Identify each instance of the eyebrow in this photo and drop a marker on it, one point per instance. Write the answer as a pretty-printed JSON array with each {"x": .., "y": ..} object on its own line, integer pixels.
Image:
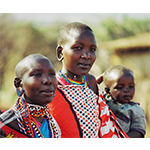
[
  {"x": 40, "y": 69},
  {"x": 123, "y": 84},
  {"x": 77, "y": 42},
  {"x": 132, "y": 83},
  {"x": 34, "y": 70}
]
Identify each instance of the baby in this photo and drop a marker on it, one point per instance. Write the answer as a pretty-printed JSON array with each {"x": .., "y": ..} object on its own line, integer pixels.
[
  {"x": 120, "y": 88},
  {"x": 36, "y": 84}
]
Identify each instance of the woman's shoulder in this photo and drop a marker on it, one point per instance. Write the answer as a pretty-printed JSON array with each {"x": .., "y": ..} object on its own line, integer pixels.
[
  {"x": 90, "y": 77},
  {"x": 9, "y": 118},
  {"x": 7, "y": 115},
  {"x": 92, "y": 83}
]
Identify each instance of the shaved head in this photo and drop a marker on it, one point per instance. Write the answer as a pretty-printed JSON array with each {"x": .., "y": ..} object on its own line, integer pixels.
[
  {"x": 23, "y": 66},
  {"x": 66, "y": 30},
  {"x": 112, "y": 73}
]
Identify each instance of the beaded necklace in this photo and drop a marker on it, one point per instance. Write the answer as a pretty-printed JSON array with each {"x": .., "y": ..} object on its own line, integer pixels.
[
  {"x": 71, "y": 81},
  {"x": 25, "y": 111}
]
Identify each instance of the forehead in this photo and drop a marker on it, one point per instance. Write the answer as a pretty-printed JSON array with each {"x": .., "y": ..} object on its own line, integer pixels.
[
  {"x": 118, "y": 75},
  {"x": 39, "y": 63},
  {"x": 81, "y": 35}
]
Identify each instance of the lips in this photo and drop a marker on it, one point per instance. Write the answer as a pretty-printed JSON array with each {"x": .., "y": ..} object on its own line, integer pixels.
[
  {"x": 47, "y": 92},
  {"x": 84, "y": 65},
  {"x": 127, "y": 97}
]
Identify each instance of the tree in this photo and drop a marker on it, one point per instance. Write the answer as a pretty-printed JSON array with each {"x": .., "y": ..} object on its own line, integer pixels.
[{"x": 109, "y": 29}]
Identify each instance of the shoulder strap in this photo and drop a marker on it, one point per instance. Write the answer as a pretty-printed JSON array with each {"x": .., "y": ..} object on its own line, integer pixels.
[{"x": 6, "y": 118}]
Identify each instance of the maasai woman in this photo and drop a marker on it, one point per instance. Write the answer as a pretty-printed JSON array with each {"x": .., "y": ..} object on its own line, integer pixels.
[
  {"x": 79, "y": 107},
  {"x": 36, "y": 84}
]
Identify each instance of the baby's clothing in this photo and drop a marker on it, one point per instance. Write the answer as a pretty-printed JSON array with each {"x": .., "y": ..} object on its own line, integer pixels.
[{"x": 130, "y": 115}]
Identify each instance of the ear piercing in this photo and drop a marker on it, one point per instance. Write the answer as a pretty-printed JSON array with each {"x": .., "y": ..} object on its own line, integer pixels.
[{"x": 19, "y": 91}]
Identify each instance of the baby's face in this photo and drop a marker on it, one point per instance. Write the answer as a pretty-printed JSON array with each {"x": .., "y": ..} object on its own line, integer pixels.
[
  {"x": 79, "y": 52},
  {"x": 39, "y": 82},
  {"x": 122, "y": 86}
]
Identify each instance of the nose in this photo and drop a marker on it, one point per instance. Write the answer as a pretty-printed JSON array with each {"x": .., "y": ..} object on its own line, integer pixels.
[
  {"x": 85, "y": 55},
  {"x": 46, "y": 80},
  {"x": 126, "y": 89}
]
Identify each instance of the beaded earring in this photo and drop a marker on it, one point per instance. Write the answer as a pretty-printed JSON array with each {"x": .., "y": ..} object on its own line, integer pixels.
[{"x": 19, "y": 91}]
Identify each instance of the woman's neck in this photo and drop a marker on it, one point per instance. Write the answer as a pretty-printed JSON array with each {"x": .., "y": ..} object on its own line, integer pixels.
[
  {"x": 72, "y": 76},
  {"x": 30, "y": 102}
]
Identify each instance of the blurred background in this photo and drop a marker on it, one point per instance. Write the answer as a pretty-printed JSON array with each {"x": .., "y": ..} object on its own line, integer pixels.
[{"x": 122, "y": 38}]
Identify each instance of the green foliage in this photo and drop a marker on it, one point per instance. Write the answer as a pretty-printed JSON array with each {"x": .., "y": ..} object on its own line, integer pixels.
[{"x": 109, "y": 29}]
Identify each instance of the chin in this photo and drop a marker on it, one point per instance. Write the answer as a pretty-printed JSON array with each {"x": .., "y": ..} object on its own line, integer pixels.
[
  {"x": 45, "y": 102},
  {"x": 48, "y": 101},
  {"x": 84, "y": 73}
]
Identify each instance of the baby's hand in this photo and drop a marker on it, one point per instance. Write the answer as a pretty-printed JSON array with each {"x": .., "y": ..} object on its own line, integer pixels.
[{"x": 2, "y": 133}]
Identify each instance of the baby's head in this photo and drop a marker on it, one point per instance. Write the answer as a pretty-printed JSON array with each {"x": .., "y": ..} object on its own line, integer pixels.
[
  {"x": 119, "y": 82},
  {"x": 76, "y": 48},
  {"x": 35, "y": 74}
]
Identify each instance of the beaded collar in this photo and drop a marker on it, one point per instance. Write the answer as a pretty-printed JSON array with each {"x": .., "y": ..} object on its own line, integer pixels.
[
  {"x": 26, "y": 111},
  {"x": 62, "y": 78}
]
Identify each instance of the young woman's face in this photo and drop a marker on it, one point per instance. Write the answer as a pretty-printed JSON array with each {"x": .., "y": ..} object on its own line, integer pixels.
[
  {"x": 39, "y": 82},
  {"x": 122, "y": 87},
  {"x": 79, "y": 52}
]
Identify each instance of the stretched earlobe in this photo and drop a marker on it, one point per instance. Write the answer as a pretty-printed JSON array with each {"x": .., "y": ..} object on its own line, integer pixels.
[
  {"x": 59, "y": 53},
  {"x": 17, "y": 82},
  {"x": 18, "y": 85}
]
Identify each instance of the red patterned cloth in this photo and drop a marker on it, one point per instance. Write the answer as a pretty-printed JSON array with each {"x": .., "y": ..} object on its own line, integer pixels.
[
  {"x": 79, "y": 112},
  {"x": 11, "y": 133}
]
